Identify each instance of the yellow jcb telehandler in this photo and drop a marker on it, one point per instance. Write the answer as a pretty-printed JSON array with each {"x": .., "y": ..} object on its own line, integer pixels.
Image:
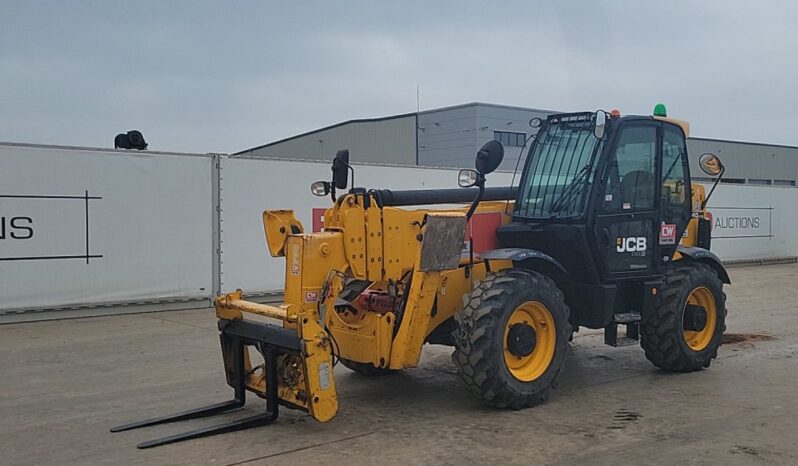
[{"x": 604, "y": 229}]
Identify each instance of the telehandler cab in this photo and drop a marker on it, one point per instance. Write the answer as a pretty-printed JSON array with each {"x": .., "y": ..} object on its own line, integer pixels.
[{"x": 604, "y": 229}]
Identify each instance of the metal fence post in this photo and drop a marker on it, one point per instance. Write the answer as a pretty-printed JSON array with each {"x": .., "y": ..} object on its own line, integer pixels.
[{"x": 216, "y": 246}]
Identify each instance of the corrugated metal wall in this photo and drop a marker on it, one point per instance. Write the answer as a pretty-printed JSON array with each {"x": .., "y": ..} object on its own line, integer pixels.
[
  {"x": 450, "y": 137},
  {"x": 390, "y": 140},
  {"x": 751, "y": 162}
]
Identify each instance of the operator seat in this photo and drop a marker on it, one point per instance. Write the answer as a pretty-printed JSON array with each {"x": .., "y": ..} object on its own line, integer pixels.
[{"x": 637, "y": 189}]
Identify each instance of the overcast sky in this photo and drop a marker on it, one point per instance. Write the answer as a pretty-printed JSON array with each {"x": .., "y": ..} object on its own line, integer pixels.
[{"x": 202, "y": 76}]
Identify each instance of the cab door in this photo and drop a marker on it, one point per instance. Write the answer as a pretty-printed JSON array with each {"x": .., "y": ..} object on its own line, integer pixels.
[
  {"x": 675, "y": 192},
  {"x": 626, "y": 214}
]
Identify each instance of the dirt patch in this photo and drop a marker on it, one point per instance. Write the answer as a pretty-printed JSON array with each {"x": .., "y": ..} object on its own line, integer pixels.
[
  {"x": 623, "y": 418},
  {"x": 738, "y": 449},
  {"x": 733, "y": 338}
]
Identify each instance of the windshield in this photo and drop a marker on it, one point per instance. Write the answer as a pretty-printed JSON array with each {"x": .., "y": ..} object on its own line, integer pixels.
[{"x": 559, "y": 168}]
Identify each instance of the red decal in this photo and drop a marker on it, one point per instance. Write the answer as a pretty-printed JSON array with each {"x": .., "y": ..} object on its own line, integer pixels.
[
  {"x": 667, "y": 233},
  {"x": 318, "y": 219},
  {"x": 482, "y": 227}
]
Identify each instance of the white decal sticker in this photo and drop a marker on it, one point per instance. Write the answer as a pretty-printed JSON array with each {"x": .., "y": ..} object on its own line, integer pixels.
[
  {"x": 324, "y": 376},
  {"x": 631, "y": 244},
  {"x": 295, "y": 252}
]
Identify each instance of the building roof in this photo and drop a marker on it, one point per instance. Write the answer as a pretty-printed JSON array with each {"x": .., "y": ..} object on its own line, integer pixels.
[
  {"x": 734, "y": 141},
  {"x": 465, "y": 105},
  {"x": 307, "y": 133},
  {"x": 392, "y": 117}
]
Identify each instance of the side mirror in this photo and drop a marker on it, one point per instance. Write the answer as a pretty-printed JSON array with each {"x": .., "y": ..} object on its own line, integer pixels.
[
  {"x": 601, "y": 124},
  {"x": 710, "y": 164},
  {"x": 467, "y": 178},
  {"x": 321, "y": 188},
  {"x": 340, "y": 169},
  {"x": 535, "y": 122},
  {"x": 489, "y": 157}
]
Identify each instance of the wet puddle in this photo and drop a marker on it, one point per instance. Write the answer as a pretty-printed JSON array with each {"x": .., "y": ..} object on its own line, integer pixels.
[{"x": 735, "y": 338}]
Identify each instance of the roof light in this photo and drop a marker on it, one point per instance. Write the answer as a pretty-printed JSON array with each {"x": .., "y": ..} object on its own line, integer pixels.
[
  {"x": 615, "y": 113},
  {"x": 660, "y": 111}
]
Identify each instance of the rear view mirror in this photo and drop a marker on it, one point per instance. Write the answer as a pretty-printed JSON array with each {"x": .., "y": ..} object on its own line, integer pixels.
[
  {"x": 601, "y": 124},
  {"x": 710, "y": 164},
  {"x": 340, "y": 169},
  {"x": 467, "y": 178},
  {"x": 489, "y": 157},
  {"x": 320, "y": 188}
]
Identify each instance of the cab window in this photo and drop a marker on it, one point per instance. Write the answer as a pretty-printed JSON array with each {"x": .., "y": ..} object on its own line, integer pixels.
[
  {"x": 630, "y": 182},
  {"x": 674, "y": 185}
]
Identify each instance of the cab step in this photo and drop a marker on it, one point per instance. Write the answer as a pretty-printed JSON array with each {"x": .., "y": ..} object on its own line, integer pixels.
[{"x": 632, "y": 322}]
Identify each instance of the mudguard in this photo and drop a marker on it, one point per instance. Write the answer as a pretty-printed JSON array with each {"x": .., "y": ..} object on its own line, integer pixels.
[
  {"x": 708, "y": 257},
  {"x": 523, "y": 255}
]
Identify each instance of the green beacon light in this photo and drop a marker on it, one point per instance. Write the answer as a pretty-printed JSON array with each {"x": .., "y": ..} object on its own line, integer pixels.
[{"x": 659, "y": 110}]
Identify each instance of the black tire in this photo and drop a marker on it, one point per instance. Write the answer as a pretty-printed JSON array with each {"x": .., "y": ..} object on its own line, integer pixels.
[
  {"x": 479, "y": 338},
  {"x": 662, "y": 328},
  {"x": 365, "y": 368}
]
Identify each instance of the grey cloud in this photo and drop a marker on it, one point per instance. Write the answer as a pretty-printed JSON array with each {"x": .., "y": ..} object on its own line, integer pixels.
[{"x": 224, "y": 76}]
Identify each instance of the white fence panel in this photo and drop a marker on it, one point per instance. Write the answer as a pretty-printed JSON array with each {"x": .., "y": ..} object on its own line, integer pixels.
[
  {"x": 754, "y": 222},
  {"x": 252, "y": 185},
  {"x": 89, "y": 227}
]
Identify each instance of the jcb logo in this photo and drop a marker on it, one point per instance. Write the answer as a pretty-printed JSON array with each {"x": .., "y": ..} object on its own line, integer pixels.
[{"x": 631, "y": 244}]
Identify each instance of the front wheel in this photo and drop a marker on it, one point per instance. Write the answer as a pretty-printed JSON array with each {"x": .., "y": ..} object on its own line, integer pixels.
[
  {"x": 684, "y": 329},
  {"x": 511, "y": 340}
]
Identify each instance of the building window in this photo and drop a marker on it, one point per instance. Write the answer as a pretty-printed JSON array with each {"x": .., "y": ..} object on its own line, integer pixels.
[
  {"x": 703, "y": 179},
  {"x": 784, "y": 182},
  {"x": 510, "y": 139},
  {"x": 759, "y": 181},
  {"x": 733, "y": 180}
]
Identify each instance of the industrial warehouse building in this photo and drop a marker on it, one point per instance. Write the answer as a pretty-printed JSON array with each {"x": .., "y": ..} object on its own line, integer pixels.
[{"x": 450, "y": 136}]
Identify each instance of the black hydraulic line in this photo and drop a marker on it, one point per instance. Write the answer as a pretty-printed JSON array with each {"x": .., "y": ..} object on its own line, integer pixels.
[{"x": 388, "y": 198}]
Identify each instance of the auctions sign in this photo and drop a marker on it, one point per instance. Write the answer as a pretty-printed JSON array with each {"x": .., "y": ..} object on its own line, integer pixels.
[
  {"x": 45, "y": 227},
  {"x": 742, "y": 222}
]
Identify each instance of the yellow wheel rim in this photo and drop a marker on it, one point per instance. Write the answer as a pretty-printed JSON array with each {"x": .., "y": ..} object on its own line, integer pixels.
[
  {"x": 698, "y": 340},
  {"x": 536, "y": 315}
]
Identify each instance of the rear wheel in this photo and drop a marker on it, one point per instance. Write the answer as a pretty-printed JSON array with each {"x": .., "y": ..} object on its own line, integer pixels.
[
  {"x": 511, "y": 340},
  {"x": 683, "y": 331}
]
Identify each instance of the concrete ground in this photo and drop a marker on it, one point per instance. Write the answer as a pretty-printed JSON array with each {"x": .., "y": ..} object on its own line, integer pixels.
[{"x": 64, "y": 383}]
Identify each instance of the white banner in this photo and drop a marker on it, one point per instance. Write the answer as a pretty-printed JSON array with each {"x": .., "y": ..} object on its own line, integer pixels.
[{"x": 84, "y": 226}]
